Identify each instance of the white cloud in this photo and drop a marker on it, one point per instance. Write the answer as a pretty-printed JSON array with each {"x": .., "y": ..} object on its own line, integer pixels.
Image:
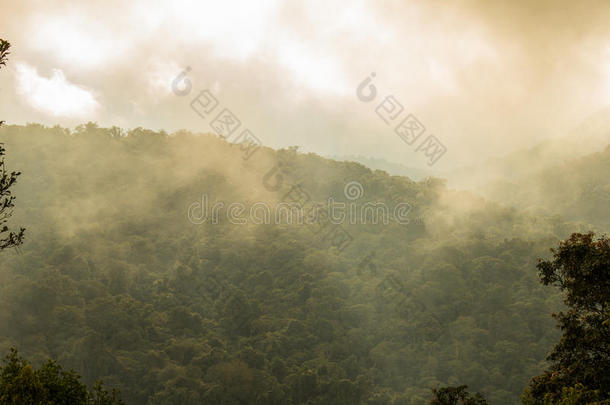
[
  {"x": 55, "y": 95},
  {"x": 77, "y": 39},
  {"x": 234, "y": 29},
  {"x": 159, "y": 77},
  {"x": 605, "y": 73},
  {"x": 321, "y": 73}
]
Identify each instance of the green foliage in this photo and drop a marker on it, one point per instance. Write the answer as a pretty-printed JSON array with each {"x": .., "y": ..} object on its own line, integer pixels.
[
  {"x": 456, "y": 396},
  {"x": 580, "y": 362},
  {"x": 20, "y": 384}
]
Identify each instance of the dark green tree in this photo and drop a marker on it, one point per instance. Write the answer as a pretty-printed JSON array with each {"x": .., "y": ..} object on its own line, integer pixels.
[
  {"x": 7, "y": 179},
  {"x": 456, "y": 396},
  {"x": 20, "y": 384},
  {"x": 581, "y": 360}
]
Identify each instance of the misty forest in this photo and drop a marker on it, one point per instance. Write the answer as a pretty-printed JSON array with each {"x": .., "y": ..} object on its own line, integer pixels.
[{"x": 128, "y": 274}]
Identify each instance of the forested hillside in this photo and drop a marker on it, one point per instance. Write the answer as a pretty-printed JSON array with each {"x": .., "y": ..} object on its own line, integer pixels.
[
  {"x": 577, "y": 189},
  {"x": 118, "y": 281},
  {"x": 589, "y": 137}
]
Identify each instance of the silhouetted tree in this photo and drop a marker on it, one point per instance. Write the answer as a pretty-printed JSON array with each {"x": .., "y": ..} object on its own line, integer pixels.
[
  {"x": 7, "y": 179},
  {"x": 4, "y": 47},
  {"x": 581, "y": 360}
]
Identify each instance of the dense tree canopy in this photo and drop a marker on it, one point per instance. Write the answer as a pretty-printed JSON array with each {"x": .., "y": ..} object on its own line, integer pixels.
[{"x": 116, "y": 282}]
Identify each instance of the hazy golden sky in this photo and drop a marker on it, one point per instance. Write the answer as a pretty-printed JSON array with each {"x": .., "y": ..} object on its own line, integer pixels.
[{"x": 484, "y": 77}]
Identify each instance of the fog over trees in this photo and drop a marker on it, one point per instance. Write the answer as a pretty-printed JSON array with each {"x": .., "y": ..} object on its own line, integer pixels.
[{"x": 304, "y": 203}]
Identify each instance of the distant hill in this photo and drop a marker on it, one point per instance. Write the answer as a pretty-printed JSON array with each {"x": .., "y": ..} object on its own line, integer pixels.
[
  {"x": 395, "y": 169},
  {"x": 577, "y": 189},
  {"x": 589, "y": 137}
]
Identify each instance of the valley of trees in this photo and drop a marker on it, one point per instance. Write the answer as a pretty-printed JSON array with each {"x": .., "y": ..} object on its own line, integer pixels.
[{"x": 116, "y": 283}]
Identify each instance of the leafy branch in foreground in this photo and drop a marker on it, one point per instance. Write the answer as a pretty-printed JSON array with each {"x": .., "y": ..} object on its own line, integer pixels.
[
  {"x": 7, "y": 179},
  {"x": 4, "y": 47}
]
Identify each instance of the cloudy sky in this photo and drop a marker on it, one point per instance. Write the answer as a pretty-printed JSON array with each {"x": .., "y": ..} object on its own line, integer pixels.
[{"x": 483, "y": 77}]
